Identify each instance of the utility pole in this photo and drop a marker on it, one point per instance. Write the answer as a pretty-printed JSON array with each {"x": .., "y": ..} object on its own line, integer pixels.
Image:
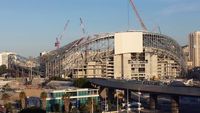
[
  {"x": 139, "y": 107},
  {"x": 117, "y": 104}
]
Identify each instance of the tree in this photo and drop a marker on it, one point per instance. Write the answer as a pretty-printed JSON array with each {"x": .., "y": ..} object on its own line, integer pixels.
[
  {"x": 22, "y": 97},
  {"x": 90, "y": 105},
  {"x": 43, "y": 97},
  {"x": 6, "y": 87},
  {"x": 5, "y": 97},
  {"x": 75, "y": 110},
  {"x": 82, "y": 83},
  {"x": 119, "y": 96},
  {"x": 3, "y": 69},
  {"x": 8, "y": 107},
  {"x": 32, "y": 110},
  {"x": 56, "y": 107},
  {"x": 66, "y": 99}
]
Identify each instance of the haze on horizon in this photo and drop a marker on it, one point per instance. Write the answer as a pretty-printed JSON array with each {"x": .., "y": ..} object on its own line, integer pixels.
[{"x": 30, "y": 27}]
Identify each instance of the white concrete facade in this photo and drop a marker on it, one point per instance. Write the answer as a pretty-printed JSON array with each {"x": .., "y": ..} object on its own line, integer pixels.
[{"x": 4, "y": 58}]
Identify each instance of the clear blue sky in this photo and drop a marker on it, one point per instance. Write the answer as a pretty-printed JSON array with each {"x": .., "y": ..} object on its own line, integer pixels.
[{"x": 28, "y": 27}]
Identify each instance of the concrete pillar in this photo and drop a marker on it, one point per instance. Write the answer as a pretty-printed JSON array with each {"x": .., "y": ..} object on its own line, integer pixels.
[
  {"x": 175, "y": 104},
  {"x": 153, "y": 101}
]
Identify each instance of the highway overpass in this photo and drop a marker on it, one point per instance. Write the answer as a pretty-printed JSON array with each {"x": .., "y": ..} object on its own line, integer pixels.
[{"x": 147, "y": 88}]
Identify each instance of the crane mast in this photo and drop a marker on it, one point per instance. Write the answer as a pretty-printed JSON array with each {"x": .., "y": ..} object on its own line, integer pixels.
[
  {"x": 57, "y": 43},
  {"x": 138, "y": 16},
  {"x": 82, "y": 26},
  {"x": 58, "y": 39}
]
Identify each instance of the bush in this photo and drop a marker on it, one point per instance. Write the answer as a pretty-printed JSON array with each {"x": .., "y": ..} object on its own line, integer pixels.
[
  {"x": 32, "y": 110},
  {"x": 82, "y": 83}
]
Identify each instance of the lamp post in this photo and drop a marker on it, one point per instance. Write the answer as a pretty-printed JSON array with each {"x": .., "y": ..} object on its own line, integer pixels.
[
  {"x": 92, "y": 106},
  {"x": 127, "y": 101},
  {"x": 117, "y": 96},
  {"x": 139, "y": 107}
]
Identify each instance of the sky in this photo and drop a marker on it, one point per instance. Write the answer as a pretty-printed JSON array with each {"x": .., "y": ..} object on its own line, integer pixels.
[{"x": 29, "y": 27}]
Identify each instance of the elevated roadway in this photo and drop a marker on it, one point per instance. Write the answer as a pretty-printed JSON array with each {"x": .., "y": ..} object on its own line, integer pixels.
[
  {"x": 153, "y": 88},
  {"x": 148, "y": 88}
]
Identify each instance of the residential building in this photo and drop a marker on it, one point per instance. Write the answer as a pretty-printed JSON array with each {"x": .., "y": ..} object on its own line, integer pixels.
[
  {"x": 186, "y": 51},
  {"x": 194, "y": 51},
  {"x": 4, "y": 58}
]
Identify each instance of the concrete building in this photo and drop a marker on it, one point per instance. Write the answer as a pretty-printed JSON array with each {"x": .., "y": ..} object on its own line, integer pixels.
[
  {"x": 121, "y": 55},
  {"x": 194, "y": 45},
  {"x": 186, "y": 51},
  {"x": 4, "y": 58}
]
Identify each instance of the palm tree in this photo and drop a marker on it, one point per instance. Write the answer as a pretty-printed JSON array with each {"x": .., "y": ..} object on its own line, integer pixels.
[
  {"x": 90, "y": 105},
  {"x": 119, "y": 96},
  {"x": 5, "y": 97},
  {"x": 43, "y": 97},
  {"x": 66, "y": 99},
  {"x": 22, "y": 97}
]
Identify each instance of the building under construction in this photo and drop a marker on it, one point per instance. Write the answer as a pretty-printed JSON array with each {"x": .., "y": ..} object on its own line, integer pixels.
[{"x": 126, "y": 55}]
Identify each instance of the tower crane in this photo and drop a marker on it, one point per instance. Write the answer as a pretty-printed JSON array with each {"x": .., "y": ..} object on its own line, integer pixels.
[
  {"x": 82, "y": 25},
  {"x": 138, "y": 16},
  {"x": 57, "y": 43},
  {"x": 58, "y": 39},
  {"x": 157, "y": 28}
]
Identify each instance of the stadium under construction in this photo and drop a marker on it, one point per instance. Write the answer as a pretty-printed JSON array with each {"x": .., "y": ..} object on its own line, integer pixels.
[{"x": 120, "y": 55}]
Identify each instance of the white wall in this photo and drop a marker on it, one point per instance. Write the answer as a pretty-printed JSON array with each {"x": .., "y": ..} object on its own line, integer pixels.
[{"x": 128, "y": 42}]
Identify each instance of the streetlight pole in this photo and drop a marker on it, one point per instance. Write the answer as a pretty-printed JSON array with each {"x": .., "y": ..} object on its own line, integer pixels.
[
  {"x": 117, "y": 104},
  {"x": 127, "y": 101},
  {"x": 139, "y": 107},
  {"x": 92, "y": 105}
]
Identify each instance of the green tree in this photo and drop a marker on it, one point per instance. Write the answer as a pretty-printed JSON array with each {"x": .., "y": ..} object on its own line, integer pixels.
[
  {"x": 75, "y": 110},
  {"x": 22, "y": 97},
  {"x": 6, "y": 87},
  {"x": 43, "y": 97},
  {"x": 81, "y": 83},
  {"x": 56, "y": 107},
  {"x": 90, "y": 105},
  {"x": 3, "y": 69},
  {"x": 119, "y": 96},
  {"x": 5, "y": 97},
  {"x": 66, "y": 99},
  {"x": 8, "y": 107},
  {"x": 32, "y": 110}
]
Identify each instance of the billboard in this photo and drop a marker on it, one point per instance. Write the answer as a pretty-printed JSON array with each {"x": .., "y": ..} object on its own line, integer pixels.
[{"x": 128, "y": 42}]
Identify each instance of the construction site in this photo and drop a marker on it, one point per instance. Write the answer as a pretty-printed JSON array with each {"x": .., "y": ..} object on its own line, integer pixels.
[{"x": 132, "y": 54}]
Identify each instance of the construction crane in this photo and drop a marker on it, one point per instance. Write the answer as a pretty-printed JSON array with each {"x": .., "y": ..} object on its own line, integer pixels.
[
  {"x": 59, "y": 38},
  {"x": 57, "y": 43},
  {"x": 157, "y": 29},
  {"x": 82, "y": 25},
  {"x": 138, "y": 16}
]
